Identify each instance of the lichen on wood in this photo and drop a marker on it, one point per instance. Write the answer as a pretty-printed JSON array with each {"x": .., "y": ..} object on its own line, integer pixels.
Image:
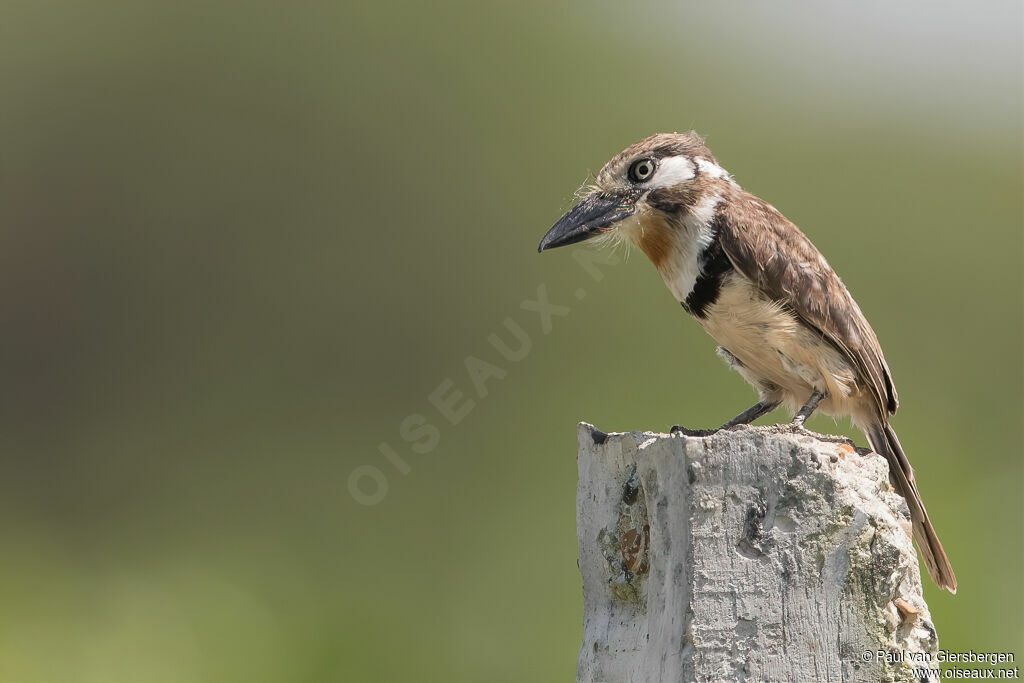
[{"x": 754, "y": 554}]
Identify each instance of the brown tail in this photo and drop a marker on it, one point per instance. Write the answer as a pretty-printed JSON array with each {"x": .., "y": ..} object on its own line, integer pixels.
[{"x": 901, "y": 474}]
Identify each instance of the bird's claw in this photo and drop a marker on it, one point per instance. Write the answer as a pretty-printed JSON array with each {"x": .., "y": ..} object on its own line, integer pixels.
[
  {"x": 799, "y": 428},
  {"x": 685, "y": 431}
]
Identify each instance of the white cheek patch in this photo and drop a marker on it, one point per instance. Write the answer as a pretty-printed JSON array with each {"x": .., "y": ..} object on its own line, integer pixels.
[
  {"x": 699, "y": 217},
  {"x": 672, "y": 171},
  {"x": 711, "y": 169},
  {"x": 682, "y": 275},
  {"x": 697, "y": 236}
]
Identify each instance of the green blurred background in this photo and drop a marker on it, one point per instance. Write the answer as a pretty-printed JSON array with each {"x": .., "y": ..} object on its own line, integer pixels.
[{"x": 241, "y": 243}]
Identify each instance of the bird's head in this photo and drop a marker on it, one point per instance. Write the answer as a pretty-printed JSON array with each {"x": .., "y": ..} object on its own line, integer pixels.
[{"x": 654, "y": 183}]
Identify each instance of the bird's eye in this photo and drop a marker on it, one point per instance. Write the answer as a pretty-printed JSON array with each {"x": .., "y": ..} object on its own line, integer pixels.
[{"x": 641, "y": 171}]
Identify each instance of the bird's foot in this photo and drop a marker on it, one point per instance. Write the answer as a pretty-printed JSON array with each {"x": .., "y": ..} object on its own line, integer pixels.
[
  {"x": 795, "y": 427},
  {"x": 685, "y": 431}
]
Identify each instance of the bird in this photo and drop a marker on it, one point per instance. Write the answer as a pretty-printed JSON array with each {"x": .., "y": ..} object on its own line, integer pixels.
[{"x": 782, "y": 317}]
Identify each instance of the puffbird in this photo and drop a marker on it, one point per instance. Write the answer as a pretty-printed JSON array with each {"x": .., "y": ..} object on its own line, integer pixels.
[{"x": 782, "y": 317}]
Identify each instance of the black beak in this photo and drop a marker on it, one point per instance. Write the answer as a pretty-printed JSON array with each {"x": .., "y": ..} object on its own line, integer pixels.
[{"x": 586, "y": 219}]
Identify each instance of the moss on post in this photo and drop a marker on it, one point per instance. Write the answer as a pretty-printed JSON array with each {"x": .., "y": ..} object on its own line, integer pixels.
[{"x": 754, "y": 554}]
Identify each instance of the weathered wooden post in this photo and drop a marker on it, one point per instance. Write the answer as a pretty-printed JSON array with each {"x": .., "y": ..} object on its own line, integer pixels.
[{"x": 758, "y": 554}]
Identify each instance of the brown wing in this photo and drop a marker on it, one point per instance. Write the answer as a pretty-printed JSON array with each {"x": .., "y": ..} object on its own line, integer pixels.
[{"x": 768, "y": 249}]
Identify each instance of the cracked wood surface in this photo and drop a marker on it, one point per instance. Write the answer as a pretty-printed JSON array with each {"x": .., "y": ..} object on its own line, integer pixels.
[{"x": 751, "y": 555}]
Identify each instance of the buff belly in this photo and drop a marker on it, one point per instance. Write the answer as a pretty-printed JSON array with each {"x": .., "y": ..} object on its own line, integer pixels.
[{"x": 777, "y": 354}]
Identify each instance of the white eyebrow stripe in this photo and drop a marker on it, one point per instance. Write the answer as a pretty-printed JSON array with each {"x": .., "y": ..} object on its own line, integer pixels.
[
  {"x": 672, "y": 171},
  {"x": 711, "y": 169}
]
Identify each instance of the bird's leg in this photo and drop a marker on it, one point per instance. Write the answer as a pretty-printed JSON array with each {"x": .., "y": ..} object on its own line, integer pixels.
[
  {"x": 746, "y": 417},
  {"x": 805, "y": 412},
  {"x": 752, "y": 413}
]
